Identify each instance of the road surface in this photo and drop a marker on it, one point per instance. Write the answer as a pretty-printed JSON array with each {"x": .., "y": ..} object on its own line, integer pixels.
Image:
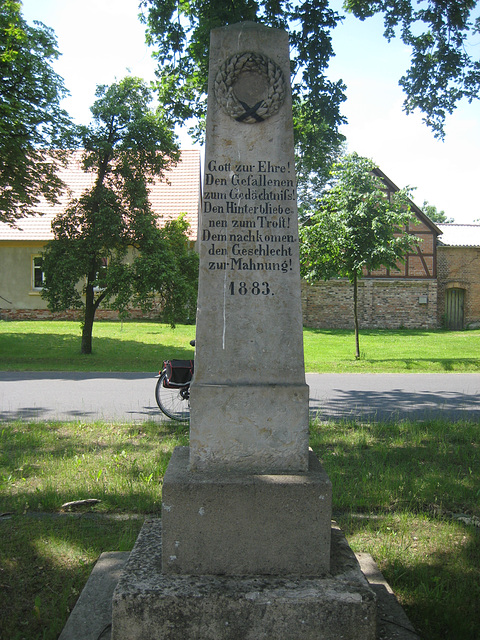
[{"x": 130, "y": 396}]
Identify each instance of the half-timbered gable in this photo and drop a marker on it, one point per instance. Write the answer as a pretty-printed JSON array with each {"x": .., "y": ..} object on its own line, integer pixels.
[
  {"x": 421, "y": 263},
  {"x": 387, "y": 298}
]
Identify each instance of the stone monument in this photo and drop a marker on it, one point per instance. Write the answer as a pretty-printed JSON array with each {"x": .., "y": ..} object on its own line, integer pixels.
[{"x": 245, "y": 549}]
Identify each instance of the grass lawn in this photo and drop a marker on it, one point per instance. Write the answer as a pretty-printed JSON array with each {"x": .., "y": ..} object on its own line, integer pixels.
[
  {"x": 134, "y": 346},
  {"x": 408, "y": 493}
]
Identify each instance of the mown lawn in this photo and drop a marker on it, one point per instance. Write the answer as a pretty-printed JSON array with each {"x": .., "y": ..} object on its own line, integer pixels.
[
  {"x": 142, "y": 346},
  {"x": 406, "y": 492}
]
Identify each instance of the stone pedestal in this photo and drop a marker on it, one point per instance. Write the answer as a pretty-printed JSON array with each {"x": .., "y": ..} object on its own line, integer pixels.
[
  {"x": 271, "y": 437},
  {"x": 245, "y": 524},
  {"x": 247, "y": 547},
  {"x": 151, "y": 605}
]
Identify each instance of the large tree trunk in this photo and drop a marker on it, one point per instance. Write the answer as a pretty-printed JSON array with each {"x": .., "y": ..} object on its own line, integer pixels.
[
  {"x": 89, "y": 317},
  {"x": 355, "y": 316}
]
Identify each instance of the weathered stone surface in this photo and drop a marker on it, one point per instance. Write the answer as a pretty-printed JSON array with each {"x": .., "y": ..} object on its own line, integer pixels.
[
  {"x": 242, "y": 524},
  {"x": 249, "y": 399},
  {"x": 150, "y": 605}
]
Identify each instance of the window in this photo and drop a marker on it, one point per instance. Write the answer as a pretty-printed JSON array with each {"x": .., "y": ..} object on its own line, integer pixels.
[
  {"x": 37, "y": 272},
  {"x": 101, "y": 274}
]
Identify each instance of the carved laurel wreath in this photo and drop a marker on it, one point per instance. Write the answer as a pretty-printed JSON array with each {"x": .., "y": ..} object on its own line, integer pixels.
[{"x": 228, "y": 74}]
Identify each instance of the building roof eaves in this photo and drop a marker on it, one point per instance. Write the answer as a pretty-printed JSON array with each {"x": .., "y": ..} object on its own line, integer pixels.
[
  {"x": 459, "y": 235},
  {"x": 179, "y": 191}
]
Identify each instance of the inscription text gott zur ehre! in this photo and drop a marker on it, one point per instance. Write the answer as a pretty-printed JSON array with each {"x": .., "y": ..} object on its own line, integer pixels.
[{"x": 247, "y": 213}]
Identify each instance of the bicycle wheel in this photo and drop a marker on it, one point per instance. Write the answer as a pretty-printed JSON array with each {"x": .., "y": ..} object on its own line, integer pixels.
[{"x": 174, "y": 403}]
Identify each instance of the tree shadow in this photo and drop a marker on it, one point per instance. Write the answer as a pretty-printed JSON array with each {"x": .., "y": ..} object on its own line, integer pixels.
[
  {"x": 45, "y": 564},
  {"x": 395, "y": 404},
  {"x": 62, "y": 353},
  {"x": 440, "y": 593}
]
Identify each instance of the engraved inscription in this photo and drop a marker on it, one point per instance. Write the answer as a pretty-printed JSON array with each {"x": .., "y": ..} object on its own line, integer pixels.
[{"x": 248, "y": 226}]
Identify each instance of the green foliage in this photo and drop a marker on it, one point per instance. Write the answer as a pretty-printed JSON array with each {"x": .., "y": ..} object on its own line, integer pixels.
[
  {"x": 434, "y": 214},
  {"x": 355, "y": 227},
  {"x": 444, "y": 65},
  {"x": 181, "y": 33},
  {"x": 109, "y": 238},
  {"x": 31, "y": 120}
]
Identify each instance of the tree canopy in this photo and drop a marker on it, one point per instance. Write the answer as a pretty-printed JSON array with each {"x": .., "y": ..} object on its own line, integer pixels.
[
  {"x": 445, "y": 62},
  {"x": 31, "y": 120},
  {"x": 443, "y": 70},
  {"x": 108, "y": 247},
  {"x": 434, "y": 214},
  {"x": 180, "y": 32},
  {"x": 355, "y": 228}
]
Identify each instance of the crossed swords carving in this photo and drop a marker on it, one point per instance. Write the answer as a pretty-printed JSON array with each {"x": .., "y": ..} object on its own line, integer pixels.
[{"x": 250, "y": 111}]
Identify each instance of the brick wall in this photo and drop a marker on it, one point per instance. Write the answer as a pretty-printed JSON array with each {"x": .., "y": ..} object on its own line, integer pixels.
[
  {"x": 459, "y": 267},
  {"x": 382, "y": 304},
  {"x": 73, "y": 314}
]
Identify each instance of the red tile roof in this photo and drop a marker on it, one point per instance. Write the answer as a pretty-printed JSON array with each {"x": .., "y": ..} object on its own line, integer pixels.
[{"x": 178, "y": 192}]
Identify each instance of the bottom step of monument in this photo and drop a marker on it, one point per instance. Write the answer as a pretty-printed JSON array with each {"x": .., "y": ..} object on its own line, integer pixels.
[{"x": 149, "y": 605}]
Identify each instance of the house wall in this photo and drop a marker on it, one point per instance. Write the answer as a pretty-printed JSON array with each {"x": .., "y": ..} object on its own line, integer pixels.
[
  {"x": 16, "y": 276},
  {"x": 418, "y": 263},
  {"x": 459, "y": 267},
  {"x": 382, "y": 303},
  {"x": 20, "y": 301}
]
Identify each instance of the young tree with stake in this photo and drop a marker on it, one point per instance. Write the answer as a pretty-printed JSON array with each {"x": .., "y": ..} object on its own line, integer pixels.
[{"x": 354, "y": 228}]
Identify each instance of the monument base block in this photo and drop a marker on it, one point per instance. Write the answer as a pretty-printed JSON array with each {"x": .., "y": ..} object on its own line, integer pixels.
[
  {"x": 240, "y": 523},
  {"x": 249, "y": 427},
  {"x": 150, "y": 605}
]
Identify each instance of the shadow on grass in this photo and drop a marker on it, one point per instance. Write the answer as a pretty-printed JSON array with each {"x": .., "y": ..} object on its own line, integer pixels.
[
  {"x": 44, "y": 465},
  {"x": 59, "y": 352},
  {"x": 424, "y": 364},
  {"x": 46, "y": 558},
  {"x": 45, "y": 563},
  {"x": 407, "y": 483},
  {"x": 379, "y": 332},
  {"x": 439, "y": 589}
]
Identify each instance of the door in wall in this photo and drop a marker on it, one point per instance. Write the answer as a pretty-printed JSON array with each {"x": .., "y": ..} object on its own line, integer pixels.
[{"x": 454, "y": 309}]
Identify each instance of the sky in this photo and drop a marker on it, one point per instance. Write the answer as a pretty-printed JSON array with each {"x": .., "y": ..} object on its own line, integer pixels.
[{"x": 102, "y": 41}]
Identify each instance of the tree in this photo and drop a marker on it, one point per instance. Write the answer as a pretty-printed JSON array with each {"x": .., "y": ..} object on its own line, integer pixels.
[
  {"x": 180, "y": 30},
  {"x": 354, "y": 228},
  {"x": 445, "y": 66},
  {"x": 434, "y": 214},
  {"x": 31, "y": 120},
  {"x": 109, "y": 238},
  {"x": 443, "y": 71}
]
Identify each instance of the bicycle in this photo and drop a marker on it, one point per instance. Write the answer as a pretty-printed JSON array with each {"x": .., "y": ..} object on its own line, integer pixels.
[{"x": 172, "y": 391}]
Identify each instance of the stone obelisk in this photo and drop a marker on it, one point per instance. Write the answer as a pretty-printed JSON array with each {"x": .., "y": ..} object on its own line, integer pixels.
[
  {"x": 249, "y": 400},
  {"x": 243, "y": 550}
]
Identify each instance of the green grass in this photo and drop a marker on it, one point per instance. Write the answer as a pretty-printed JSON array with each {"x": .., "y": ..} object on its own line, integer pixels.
[
  {"x": 45, "y": 563},
  {"x": 142, "y": 346},
  {"x": 406, "y": 492},
  {"x": 44, "y": 465},
  {"x": 392, "y": 351},
  {"x": 55, "y": 346}
]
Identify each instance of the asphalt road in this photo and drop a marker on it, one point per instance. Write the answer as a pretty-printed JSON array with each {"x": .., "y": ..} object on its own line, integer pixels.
[{"x": 130, "y": 396}]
